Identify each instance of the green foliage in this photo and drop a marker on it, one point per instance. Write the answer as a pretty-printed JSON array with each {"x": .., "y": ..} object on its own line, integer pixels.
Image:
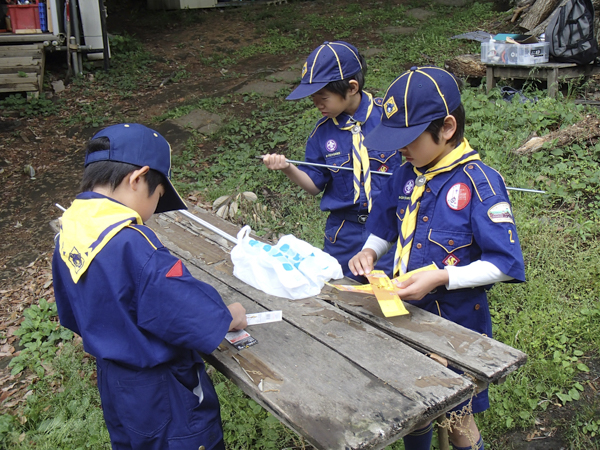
[
  {"x": 246, "y": 425},
  {"x": 60, "y": 419},
  {"x": 32, "y": 107},
  {"x": 40, "y": 334}
]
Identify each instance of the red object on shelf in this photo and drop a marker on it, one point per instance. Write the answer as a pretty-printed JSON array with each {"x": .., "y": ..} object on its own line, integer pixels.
[{"x": 24, "y": 18}]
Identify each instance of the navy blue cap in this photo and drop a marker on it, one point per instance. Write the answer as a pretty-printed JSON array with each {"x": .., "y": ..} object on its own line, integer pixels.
[
  {"x": 331, "y": 61},
  {"x": 414, "y": 100},
  {"x": 139, "y": 145}
]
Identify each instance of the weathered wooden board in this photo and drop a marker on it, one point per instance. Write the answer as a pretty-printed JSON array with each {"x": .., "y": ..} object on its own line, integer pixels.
[
  {"x": 20, "y": 50},
  {"x": 16, "y": 60},
  {"x": 485, "y": 359},
  {"x": 425, "y": 387}
]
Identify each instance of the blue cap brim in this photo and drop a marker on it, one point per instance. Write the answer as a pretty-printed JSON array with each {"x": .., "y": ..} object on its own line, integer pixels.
[
  {"x": 393, "y": 138},
  {"x": 305, "y": 90},
  {"x": 170, "y": 201}
]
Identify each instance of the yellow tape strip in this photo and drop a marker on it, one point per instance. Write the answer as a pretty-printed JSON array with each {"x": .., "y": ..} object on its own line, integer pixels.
[
  {"x": 368, "y": 289},
  {"x": 384, "y": 291}
]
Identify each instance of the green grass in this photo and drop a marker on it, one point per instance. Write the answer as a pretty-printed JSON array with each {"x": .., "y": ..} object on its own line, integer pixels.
[{"x": 554, "y": 317}]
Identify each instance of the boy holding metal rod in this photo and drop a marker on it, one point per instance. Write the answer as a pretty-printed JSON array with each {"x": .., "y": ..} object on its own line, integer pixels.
[
  {"x": 443, "y": 205},
  {"x": 139, "y": 311},
  {"x": 333, "y": 76}
]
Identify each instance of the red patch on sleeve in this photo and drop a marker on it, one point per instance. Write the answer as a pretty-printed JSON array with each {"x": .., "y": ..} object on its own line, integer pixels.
[{"x": 176, "y": 270}]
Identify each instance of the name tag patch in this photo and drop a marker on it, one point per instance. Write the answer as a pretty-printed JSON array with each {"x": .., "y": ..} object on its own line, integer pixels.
[
  {"x": 501, "y": 213},
  {"x": 458, "y": 196}
]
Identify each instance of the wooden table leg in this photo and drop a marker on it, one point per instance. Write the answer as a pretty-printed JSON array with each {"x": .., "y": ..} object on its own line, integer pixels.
[
  {"x": 442, "y": 432},
  {"x": 490, "y": 81},
  {"x": 552, "y": 81}
]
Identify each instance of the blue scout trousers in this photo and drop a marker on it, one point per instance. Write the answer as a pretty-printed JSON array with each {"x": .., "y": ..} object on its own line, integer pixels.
[
  {"x": 344, "y": 238},
  {"x": 156, "y": 409}
]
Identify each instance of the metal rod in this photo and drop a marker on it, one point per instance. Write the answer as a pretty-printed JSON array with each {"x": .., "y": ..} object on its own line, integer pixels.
[
  {"x": 327, "y": 166},
  {"x": 60, "y": 207},
  {"x": 210, "y": 226}
]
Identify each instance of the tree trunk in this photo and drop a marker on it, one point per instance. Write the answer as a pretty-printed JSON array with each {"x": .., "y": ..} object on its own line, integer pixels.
[{"x": 539, "y": 12}]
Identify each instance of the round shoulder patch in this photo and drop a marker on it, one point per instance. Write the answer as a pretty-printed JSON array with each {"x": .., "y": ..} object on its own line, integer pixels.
[
  {"x": 378, "y": 101},
  {"x": 458, "y": 196}
]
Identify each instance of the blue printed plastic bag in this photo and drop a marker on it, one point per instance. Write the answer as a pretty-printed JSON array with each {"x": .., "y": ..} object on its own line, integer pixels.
[{"x": 291, "y": 269}]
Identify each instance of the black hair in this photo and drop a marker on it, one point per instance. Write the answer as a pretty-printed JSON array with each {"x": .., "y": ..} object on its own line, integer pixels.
[
  {"x": 436, "y": 126},
  {"x": 112, "y": 173},
  {"x": 341, "y": 87}
]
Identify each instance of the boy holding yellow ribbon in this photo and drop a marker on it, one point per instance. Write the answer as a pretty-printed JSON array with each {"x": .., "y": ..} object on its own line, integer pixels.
[
  {"x": 443, "y": 205},
  {"x": 333, "y": 76},
  {"x": 138, "y": 309}
]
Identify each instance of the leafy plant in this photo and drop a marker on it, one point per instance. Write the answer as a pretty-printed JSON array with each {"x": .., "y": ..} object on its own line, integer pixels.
[
  {"x": 40, "y": 106},
  {"x": 40, "y": 334}
]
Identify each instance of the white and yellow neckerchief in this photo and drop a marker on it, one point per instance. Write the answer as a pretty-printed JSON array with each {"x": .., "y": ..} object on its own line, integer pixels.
[
  {"x": 360, "y": 156},
  {"x": 86, "y": 228},
  {"x": 460, "y": 155}
]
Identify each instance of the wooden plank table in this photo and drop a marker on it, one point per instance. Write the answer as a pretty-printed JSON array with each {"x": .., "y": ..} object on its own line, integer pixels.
[
  {"x": 335, "y": 370},
  {"x": 552, "y": 72}
]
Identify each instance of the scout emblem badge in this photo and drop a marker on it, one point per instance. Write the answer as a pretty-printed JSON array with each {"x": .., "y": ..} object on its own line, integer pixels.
[{"x": 384, "y": 289}]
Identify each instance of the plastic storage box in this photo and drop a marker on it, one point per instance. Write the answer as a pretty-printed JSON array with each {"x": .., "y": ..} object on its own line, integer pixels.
[
  {"x": 497, "y": 52},
  {"x": 24, "y": 18}
]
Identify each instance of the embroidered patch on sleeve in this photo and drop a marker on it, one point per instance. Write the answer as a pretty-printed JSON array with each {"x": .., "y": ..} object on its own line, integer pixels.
[
  {"x": 500, "y": 213},
  {"x": 176, "y": 270}
]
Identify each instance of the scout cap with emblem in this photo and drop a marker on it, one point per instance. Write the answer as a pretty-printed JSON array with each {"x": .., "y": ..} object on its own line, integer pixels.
[
  {"x": 414, "y": 100},
  {"x": 136, "y": 144},
  {"x": 330, "y": 61}
]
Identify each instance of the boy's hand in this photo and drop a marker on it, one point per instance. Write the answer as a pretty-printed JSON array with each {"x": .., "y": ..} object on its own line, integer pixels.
[
  {"x": 421, "y": 284},
  {"x": 363, "y": 262},
  {"x": 275, "y": 162},
  {"x": 238, "y": 312}
]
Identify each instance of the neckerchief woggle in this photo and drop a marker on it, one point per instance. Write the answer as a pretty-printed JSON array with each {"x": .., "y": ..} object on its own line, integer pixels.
[
  {"x": 460, "y": 155},
  {"x": 360, "y": 156},
  {"x": 87, "y": 226}
]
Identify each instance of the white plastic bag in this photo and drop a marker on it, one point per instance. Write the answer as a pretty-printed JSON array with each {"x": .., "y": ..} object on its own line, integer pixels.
[{"x": 291, "y": 269}]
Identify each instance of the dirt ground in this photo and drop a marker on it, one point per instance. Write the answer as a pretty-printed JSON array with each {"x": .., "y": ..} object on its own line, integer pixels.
[{"x": 27, "y": 204}]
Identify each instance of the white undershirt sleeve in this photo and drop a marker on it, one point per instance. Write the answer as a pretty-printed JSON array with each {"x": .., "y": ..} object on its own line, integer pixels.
[
  {"x": 478, "y": 273},
  {"x": 380, "y": 246}
]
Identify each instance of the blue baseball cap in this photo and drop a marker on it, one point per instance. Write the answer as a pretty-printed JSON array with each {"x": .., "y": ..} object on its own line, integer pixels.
[
  {"x": 136, "y": 144},
  {"x": 414, "y": 100},
  {"x": 331, "y": 61}
]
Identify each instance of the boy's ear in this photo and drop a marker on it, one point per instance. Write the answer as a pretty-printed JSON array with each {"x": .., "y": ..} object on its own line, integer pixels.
[
  {"x": 136, "y": 176},
  {"x": 354, "y": 87},
  {"x": 449, "y": 127}
]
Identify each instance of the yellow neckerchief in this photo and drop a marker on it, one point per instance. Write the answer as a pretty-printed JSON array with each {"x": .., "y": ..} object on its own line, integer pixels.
[
  {"x": 86, "y": 228},
  {"x": 460, "y": 155},
  {"x": 360, "y": 156}
]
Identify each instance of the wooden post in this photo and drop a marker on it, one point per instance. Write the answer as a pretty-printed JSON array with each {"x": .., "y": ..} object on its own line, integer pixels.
[
  {"x": 442, "y": 434},
  {"x": 490, "y": 81}
]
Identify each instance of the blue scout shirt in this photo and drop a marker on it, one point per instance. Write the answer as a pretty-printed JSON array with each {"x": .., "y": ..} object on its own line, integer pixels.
[
  {"x": 464, "y": 216},
  {"x": 330, "y": 144},
  {"x": 137, "y": 304}
]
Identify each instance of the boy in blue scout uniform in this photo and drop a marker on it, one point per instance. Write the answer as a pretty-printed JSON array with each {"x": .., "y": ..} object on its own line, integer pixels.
[
  {"x": 139, "y": 311},
  {"x": 333, "y": 76},
  {"x": 443, "y": 205}
]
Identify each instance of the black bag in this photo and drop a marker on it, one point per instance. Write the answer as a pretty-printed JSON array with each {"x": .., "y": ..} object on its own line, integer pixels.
[{"x": 570, "y": 33}]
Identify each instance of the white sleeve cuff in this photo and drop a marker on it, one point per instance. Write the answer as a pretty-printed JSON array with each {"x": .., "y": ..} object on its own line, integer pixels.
[
  {"x": 478, "y": 273},
  {"x": 380, "y": 246}
]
